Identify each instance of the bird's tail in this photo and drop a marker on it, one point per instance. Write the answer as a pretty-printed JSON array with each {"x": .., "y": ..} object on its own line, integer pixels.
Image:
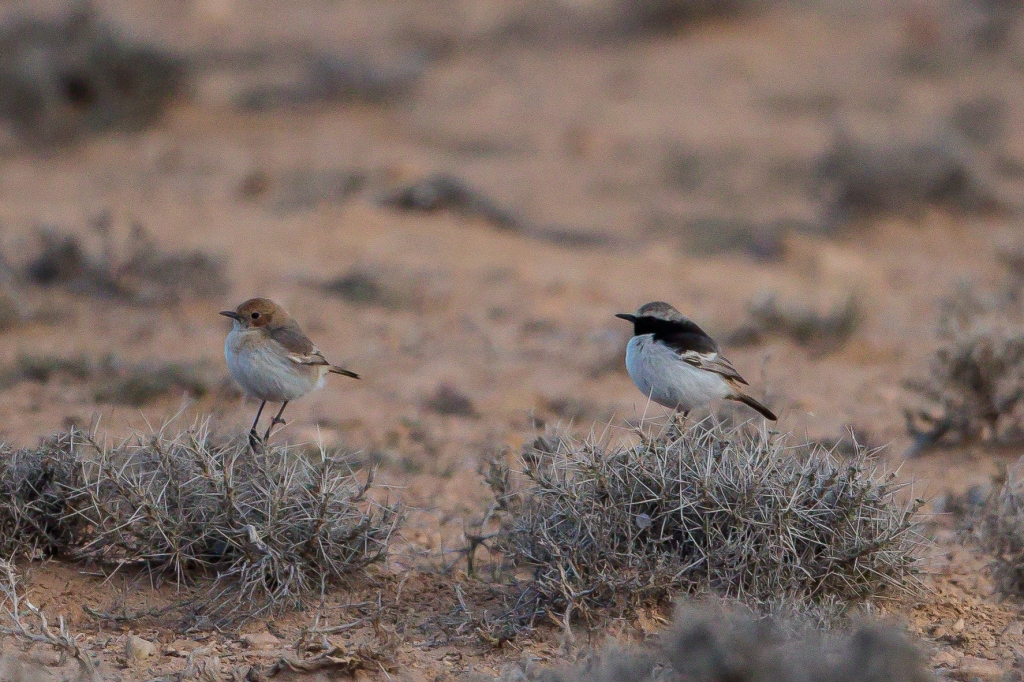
[
  {"x": 343, "y": 372},
  {"x": 751, "y": 403}
]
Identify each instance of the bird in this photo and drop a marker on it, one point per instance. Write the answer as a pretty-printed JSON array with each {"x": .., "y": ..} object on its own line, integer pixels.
[
  {"x": 272, "y": 358},
  {"x": 676, "y": 364}
]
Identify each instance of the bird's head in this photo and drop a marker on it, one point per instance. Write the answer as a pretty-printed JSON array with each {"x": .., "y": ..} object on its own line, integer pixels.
[
  {"x": 257, "y": 312},
  {"x": 656, "y": 310}
]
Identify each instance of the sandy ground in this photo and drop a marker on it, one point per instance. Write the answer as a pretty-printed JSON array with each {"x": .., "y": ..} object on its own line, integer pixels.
[{"x": 568, "y": 132}]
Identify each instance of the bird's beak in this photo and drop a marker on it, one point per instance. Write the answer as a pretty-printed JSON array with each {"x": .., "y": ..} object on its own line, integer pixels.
[
  {"x": 626, "y": 316},
  {"x": 230, "y": 313}
]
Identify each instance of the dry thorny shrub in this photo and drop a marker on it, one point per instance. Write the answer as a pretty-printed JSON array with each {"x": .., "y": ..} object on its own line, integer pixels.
[
  {"x": 999, "y": 524},
  {"x": 131, "y": 269},
  {"x": 704, "y": 507},
  {"x": 712, "y": 644},
  {"x": 275, "y": 526},
  {"x": 115, "y": 381},
  {"x": 976, "y": 384},
  {"x": 136, "y": 271}
]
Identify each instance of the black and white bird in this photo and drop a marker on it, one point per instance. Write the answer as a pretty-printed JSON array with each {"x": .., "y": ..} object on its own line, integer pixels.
[{"x": 676, "y": 364}]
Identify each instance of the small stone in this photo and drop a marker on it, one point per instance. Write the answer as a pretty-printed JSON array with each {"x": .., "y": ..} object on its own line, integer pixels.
[
  {"x": 1014, "y": 629},
  {"x": 959, "y": 625},
  {"x": 48, "y": 658},
  {"x": 260, "y": 640},
  {"x": 185, "y": 645},
  {"x": 411, "y": 675},
  {"x": 972, "y": 666},
  {"x": 945, "y": 659},
  {"x": 138, "y": 649}
]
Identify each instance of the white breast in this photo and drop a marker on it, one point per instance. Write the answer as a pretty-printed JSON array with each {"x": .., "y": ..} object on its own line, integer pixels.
[
  {"x": 662, "y": 376},
  {"x": 263, "y": 370}
]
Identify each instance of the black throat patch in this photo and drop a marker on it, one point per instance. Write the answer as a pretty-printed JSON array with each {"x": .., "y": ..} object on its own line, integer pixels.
[{"x": 681, "y": 336}]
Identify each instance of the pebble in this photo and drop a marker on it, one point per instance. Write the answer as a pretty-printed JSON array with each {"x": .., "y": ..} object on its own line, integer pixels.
[
  {"x": 138, "y": 649},
  {"x": 972, "y": 666},
  {"x": 260, "y": 640},
  {"x": 180, "y": 648},
  {"x": 946, "y": 659}
]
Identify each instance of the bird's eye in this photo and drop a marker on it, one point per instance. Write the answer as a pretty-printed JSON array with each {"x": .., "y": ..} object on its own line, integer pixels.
[{"x": 255, "y": 316}]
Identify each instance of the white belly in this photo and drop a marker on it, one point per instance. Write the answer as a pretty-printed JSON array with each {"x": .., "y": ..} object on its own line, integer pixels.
[
  {"x": 266, "y": 374},
  {"x": 659, "y": 374}
]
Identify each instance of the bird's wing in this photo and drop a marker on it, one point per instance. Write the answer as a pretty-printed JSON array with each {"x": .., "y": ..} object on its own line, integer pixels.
[
  {"x": 712, "y": 362},
  {"x": 693, "y": 346},
  {"x": 298, "y": 348},
  {"x": 314, "y": 358}
]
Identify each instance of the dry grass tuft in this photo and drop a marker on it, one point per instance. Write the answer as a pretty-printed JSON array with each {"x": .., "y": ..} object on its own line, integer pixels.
[
  {"x": 863, "y": 180},
  {"x": 326, "y": 77},
  {"x": 712, "y": 644},
  {"x": 823, "y": 331},
  {"x": 389, "y": 288},
  {"x": 114, "y": 381},
  {"x": 276, "y": 526},
  {"x": 450, "y": 401},
  {"x": 137, "y": 384},
  {"x": 442, "y": 192},
  {"x": 718, "y": 235},
  {"x": 660, "y": 16},
  {"x": 704, "y": 507},
  {"x": 136, "y": 270},
  {"x": 63, "y": 80}
]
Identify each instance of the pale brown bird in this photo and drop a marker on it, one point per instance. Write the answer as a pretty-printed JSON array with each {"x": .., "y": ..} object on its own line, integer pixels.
[{"x": 272, "y": 358}]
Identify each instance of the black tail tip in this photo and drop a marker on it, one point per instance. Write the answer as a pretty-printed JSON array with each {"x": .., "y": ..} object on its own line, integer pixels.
[
  {"x": 344, "y": 372},
  {"x": 755, "y": 405}
]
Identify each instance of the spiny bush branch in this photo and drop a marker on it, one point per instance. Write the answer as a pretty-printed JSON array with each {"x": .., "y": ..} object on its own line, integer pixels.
[
  {"x": 275, "y": 526},
  {"x": 704, "y": 507}
]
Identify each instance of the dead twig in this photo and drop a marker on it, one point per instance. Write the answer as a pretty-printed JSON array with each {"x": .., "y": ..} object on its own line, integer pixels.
[
  {"x": 131, "y": 617},
  {"x": 16, "y": 606}
]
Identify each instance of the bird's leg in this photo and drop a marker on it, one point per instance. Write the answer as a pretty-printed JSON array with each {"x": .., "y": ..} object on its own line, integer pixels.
[
  {"x": 254, "y": 438},
  {"x": 275, "y": 421}
]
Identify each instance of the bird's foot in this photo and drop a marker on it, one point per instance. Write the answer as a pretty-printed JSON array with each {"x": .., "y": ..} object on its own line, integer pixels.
[
  {"x": 278, "y": 420},
  {"x": 255, "y": 442},
  {"x": 679, "y": 419}
]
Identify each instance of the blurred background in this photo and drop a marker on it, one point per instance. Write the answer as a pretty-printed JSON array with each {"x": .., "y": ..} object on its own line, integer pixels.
[{"x": 454, "y": 198}]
